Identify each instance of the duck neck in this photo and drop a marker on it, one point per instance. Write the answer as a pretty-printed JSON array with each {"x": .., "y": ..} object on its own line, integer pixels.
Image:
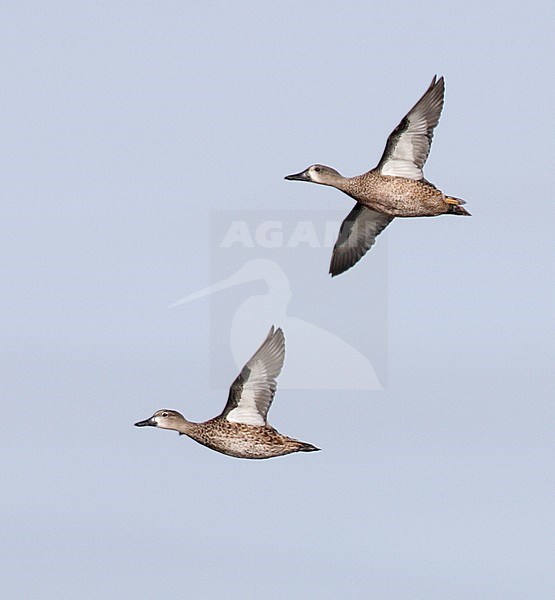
[
  {"x": 339, "y": 182},
  {"x": 186, "y": 427}
]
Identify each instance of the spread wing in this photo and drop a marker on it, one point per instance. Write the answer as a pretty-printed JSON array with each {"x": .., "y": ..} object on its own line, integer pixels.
[
  {"x": 409, "y": 144},
  {"x": 251, "y": 394},
  {"x": 357, "y": 235}
]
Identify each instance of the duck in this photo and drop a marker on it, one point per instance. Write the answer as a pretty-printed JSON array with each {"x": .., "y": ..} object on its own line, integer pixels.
[
  {"x": 242, "y": 429},
  {"x": 396, "y": 187}
]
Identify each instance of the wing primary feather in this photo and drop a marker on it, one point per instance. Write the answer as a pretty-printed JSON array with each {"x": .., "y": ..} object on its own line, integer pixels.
[
  {"x": 408, "y": 146},
  {"x": 252, "y": 392},
  {"x": 357, "y": 235}
]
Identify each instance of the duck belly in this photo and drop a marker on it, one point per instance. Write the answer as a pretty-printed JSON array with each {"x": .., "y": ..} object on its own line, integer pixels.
[
  {"x": 246, "y": 441},
  {"x": 400, "y": 197}
]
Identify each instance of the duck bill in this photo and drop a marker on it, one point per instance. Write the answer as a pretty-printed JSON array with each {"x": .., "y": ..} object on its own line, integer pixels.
[
  {"x": 147, "y": 423},
  {"x": 302, "y": 176}
]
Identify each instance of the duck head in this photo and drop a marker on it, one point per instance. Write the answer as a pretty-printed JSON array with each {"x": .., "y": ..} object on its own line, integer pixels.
[
  {"x": 317, "y": 174},
  {"x": 165, "y": 419}
]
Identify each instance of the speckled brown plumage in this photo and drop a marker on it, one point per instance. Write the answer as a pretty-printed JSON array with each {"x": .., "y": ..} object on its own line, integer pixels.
[
  {"x": 241, "y": 430},
  {"x": 397, "y": 196},
  {"x": 394, "y": 188},
  {"x": 243, "y": 441}
]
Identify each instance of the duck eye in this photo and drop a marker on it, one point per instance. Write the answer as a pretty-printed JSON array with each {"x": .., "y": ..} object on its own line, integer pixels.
[
  {"x": 164, "y": 414},
  {"x": 317, "y": 168}
]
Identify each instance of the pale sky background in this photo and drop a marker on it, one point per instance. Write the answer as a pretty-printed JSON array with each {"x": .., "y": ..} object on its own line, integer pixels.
[{"x": 125, "y": 125}]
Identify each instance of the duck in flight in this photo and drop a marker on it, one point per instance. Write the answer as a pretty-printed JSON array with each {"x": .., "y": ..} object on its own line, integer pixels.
[
  {"x": 242, "y": 430},
  {"x": 394, "y": 188}
]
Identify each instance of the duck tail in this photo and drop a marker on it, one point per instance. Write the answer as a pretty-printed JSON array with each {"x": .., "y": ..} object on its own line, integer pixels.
[
  {"x": 459, "y": 210},
  {"x": 304, "y": 447},
  {"x": 455, "y": 207}
]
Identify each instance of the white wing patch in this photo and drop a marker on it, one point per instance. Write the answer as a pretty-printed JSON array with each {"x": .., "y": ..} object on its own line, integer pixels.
[
  {"x": 251, "y": 394},
  {"x": 409, "y": 144},
  {"x": 246, "y": 411}
]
